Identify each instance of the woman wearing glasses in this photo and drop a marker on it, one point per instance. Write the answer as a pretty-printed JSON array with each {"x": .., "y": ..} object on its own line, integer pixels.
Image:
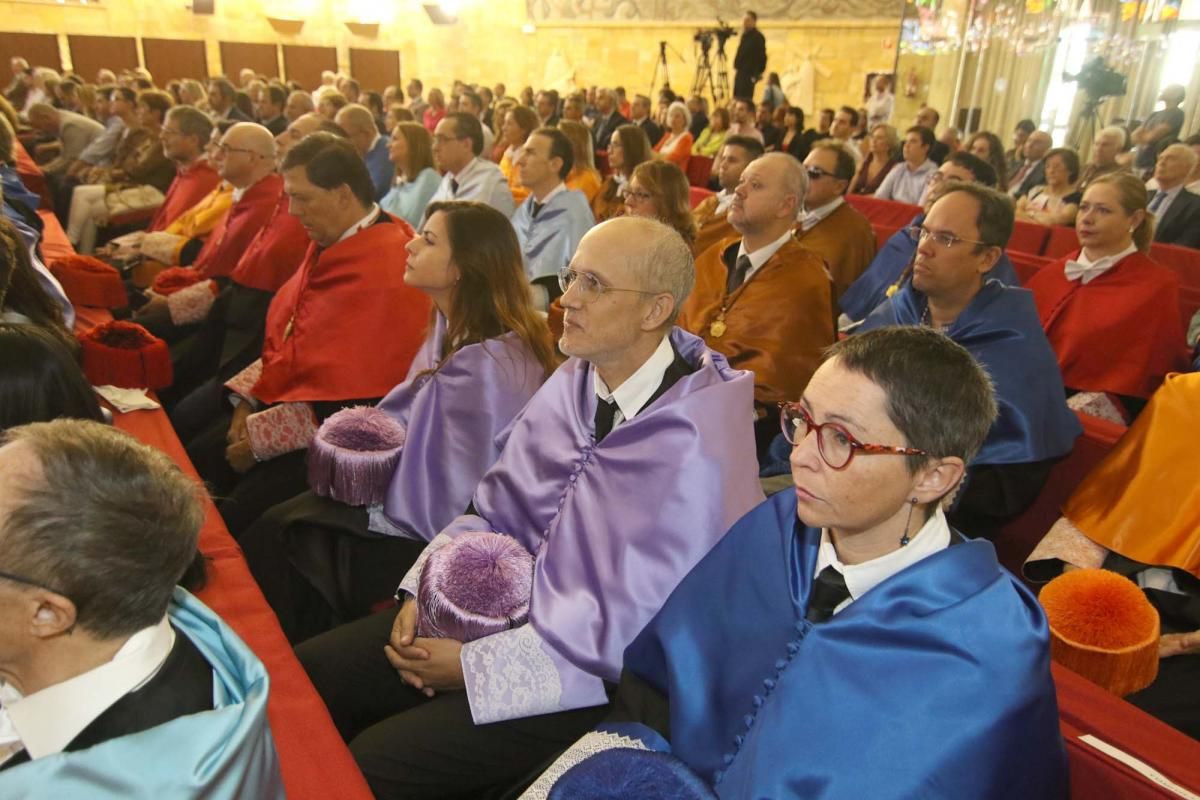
[
  {"x": 659, "y": 190},
  {"x": 851, "y": 618},
  {"x": 321, "y": 562},
  {"x": 627, "y": 148}
]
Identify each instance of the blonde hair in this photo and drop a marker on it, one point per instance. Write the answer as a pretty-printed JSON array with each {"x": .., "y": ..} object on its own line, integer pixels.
[
  {"x": 581, "y": 142},
  {"x": 1133, "y": 197}
]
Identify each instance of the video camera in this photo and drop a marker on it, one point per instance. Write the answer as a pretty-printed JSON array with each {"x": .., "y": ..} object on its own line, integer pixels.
[
  {"x": 1099, "y": 80},
  {"x": 722, "y": 33}
]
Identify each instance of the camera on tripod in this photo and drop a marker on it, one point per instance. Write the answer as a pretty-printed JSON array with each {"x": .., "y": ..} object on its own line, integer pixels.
[
  {"x": 1098, "y": 80},
  {"x": 722, "y": 33}
]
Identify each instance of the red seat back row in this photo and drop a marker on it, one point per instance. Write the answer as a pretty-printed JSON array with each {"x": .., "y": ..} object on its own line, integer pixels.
[
  {"x": 699, "y": 169},
  {"x": 883, "y": 212}
]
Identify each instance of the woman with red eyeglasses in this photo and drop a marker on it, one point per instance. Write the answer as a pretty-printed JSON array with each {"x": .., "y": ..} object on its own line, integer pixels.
[{"x": 846, "y": 617}]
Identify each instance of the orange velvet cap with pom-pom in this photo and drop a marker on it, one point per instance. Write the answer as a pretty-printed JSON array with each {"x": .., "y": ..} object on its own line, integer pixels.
[{"x": 1104, "y": 628}]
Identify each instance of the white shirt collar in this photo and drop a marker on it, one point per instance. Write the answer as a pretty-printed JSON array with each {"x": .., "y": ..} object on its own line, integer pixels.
[
  {"x": 562, "y": 187},
  {"x": 238, "y": 194},
  {"x": 763, "y": 254},
  {"x": 809, "y": 219},
  {"x": 637, "y": 389},
  {"x": 365, "y": 222},
  {"x": 724, "y": 198},
  {"x": 1086, "y": 270},
  {"x": 933, "y": 537},
  {"x": 46, "y": 721}
]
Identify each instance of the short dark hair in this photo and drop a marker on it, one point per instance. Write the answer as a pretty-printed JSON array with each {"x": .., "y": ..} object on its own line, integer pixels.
[
  {"x": 927, "y": 137},
  {"x": 127, "y": 94},
  {"x": 1070, "y": 160},
  {"x": 746, "y": 101},
  {"x": 473, "y": 97},
  {"x": 752, "y": 15},
  {"x": 853, "y": 112},
  {"x": 984, "y": 172},
  {"x": 560, "y": 147},
  {"x": 277, "y": 95},
  {"x": 796, "y": 113},
  {"x": 753, "y": 147},
  {"x": 111, "y": 524},
  {"x": 330, "y": 162},
  {"x": 468, "y": 126},
  {"x": 156, "y": 100},
  {"x": 996, "y": 217},
  {"x": 846, "y": 165},
  {"x": 223, "y": 87},
  {"x": 1026, "y": 125},
  {"x": 417, "y": 82},
  {"x": 947, "y": 411}
]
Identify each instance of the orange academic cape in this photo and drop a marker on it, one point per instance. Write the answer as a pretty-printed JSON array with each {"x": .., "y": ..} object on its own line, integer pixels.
[
  {"x": 777, "y": 323},
  {"x": 847, "y": 243},
  {"x": 275, "y": 252},
  {"x": 711, "y": 227},
  {"x": 245, "y": 218},
  {"x": 1143, "y": 499},
  {"x": 345, "y": 326},
  {"x": 1119, "y": 333},
  {"x": 191, "y": 185}
]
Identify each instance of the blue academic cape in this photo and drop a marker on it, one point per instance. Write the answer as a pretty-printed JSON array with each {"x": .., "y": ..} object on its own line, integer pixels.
[
  {"x": 223, "y": 753},
  {"x": 548, "y": 241},
  {"x": 934, "y": 684},
  {"x": 888, "y": 265},
  {"x": 380, "y": 166}
]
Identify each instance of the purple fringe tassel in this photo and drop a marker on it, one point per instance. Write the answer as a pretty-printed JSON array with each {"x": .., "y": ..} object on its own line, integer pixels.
[
  {"x": 477, "y": 585},
  {"x": 353, "y": 456}
]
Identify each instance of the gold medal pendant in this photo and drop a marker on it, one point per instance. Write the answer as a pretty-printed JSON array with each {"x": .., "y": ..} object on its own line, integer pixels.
[{"x": 717, "y": 329}]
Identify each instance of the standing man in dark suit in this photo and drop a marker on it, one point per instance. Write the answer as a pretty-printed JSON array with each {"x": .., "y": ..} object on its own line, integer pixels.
[
  {"x": 609, "y": 117},
  {"x": 751, "y": 60},
  {"x": 1176, "y": 210}
]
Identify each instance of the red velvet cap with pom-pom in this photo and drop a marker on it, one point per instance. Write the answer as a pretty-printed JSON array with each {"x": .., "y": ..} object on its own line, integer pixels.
[
  {"x": 125, "y": 354},
  {"x": 89, "y": 281},
  {"x": 1104, "y": 628}
]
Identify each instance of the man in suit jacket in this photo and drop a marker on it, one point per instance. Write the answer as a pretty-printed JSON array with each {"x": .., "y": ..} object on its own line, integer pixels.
[
  {"x": 74, "y": 131},
  {"x": 1176, "y": 210},
  {"x": 751, "y": 59},
  {"x": 639, "y": 114},
  {"x": 97, "y": 645},
  {"x": 222, "y": 99},
  {"x": 609, "y": 118},
  {"x": 1032, "y": 171},
  {"x": 546, "y": 107}
]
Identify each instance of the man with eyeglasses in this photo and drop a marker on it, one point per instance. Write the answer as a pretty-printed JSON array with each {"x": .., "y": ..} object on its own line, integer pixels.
[
  {"x": 828, "y": 225},
  {"x": 847, "y": 616},
  {"x": 710, "y": 216},
  {"x": 552, "y": 219},
  {"x": 619, "y": 475},
  {"x": 247, "y": 163},
  {"x": 951, "y": 290},
  {"x": 457, "y": 145},
  {"x": 104, "y": 662},
  {"x": 762, "y": 299},
  {"x": 891, "y": 267}
]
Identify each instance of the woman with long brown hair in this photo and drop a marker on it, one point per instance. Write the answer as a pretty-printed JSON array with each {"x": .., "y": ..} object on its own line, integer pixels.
[
  {"x": 659, "y": 190},
  {"x": 410, "y": 150},
  {"x": 627, "y": 148},
  {"x": 22, "y": 298},
  {"x": 584, "y": 177},
  {"x": 320, "y": 561}
]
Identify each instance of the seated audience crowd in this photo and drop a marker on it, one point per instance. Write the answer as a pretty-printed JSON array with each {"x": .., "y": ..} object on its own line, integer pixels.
[{"x": 556, "y": 465}]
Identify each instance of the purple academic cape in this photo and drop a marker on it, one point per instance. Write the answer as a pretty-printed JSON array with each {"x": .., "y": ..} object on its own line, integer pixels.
[
  {"x": 613, "y": 527},
  {"x": 452, "y": 418}
]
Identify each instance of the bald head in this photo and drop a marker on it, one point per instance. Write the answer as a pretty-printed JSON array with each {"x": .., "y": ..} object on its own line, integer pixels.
[
  {"x": 654, "y": 255},
  {"x": 247, "y": 154},
  {"x": 43, "y": 117},
  {"x": 1036, "y": 146},
  {"x": 301, "y": 127},
  {"x": 359, "y": 124},
  {"x": 768, "y": 198}
]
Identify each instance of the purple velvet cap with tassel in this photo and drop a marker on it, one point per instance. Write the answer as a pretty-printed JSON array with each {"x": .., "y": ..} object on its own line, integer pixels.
[
  {"x": 476, "y": 585},
  {"x": 353, "y": 456}
]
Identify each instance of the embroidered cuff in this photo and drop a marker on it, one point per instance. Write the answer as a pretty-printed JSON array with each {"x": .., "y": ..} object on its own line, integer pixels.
[
  {"x": 510, "y": 675},
  {"x": 587, "y": 746},
  {"x": 1097, "y": 404},
  {"x": 162, "y": 247},
  {"x": 412, "y": 578},
  {"x": 281, "y": 429},
  {"x": 1066, "y": 543},
  {"x": 191, "y": 305},
  {"x": 242, "y": 383}
]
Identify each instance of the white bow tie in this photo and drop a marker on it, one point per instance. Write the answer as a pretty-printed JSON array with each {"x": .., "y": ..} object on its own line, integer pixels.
[{"x": 1086, "y": 273}]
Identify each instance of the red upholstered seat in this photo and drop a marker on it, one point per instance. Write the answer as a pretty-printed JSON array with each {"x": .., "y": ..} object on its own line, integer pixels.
[
  {"x": 1026, "y": 264},
  {"x": 30, "y": 173},
  {"x": 699, "y": 169},
  {"x": 55, "y": 244},
  {"x": 1028, "y": 237},
  {"x": 883, "y": 233},
  {"x": 883, "y": 212},
  {"x": 1062, "y": 241},
  {"x": 696, "y": 195},
  {"x": 1184, "y": 260}
]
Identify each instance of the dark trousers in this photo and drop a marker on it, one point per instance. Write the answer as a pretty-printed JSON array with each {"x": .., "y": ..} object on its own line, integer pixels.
[
  {"x": 318, "y": 565},
  {"x": 743, "y": 85},
  {"x": 411, "y": 746}
]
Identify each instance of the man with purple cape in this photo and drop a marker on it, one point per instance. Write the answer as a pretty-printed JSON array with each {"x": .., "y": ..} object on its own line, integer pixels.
[
  {"x": 625, "y": 468},
  {"x": 842, "y": 641}
]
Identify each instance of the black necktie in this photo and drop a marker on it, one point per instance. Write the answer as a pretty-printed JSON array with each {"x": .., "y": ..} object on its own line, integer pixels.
[
  {"x": 537, "y": 208},
  {"x": 453, "y": 188},
  {"x": 738, "y": 275},
  {"x": 606, "y": 412},
  {"x": 828, "y": 592}
]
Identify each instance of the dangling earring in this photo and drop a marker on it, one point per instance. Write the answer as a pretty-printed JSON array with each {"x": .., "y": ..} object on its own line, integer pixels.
[{"x": 904, "y": 540}]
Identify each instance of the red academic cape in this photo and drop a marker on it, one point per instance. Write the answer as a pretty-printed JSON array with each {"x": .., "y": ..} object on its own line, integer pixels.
[
  {"x": 1119, "y": 333},
  {"x": 233, "y": 233},
  {"x": 191, "y": 185},
  {"x": 275, "y": 252},
  {"x": 345, "y": 326}
]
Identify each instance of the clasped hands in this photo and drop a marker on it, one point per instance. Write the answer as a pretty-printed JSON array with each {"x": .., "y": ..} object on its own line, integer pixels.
[
  {"x": 427, "y": 665},
  {"x": 238, "y": 452}
]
